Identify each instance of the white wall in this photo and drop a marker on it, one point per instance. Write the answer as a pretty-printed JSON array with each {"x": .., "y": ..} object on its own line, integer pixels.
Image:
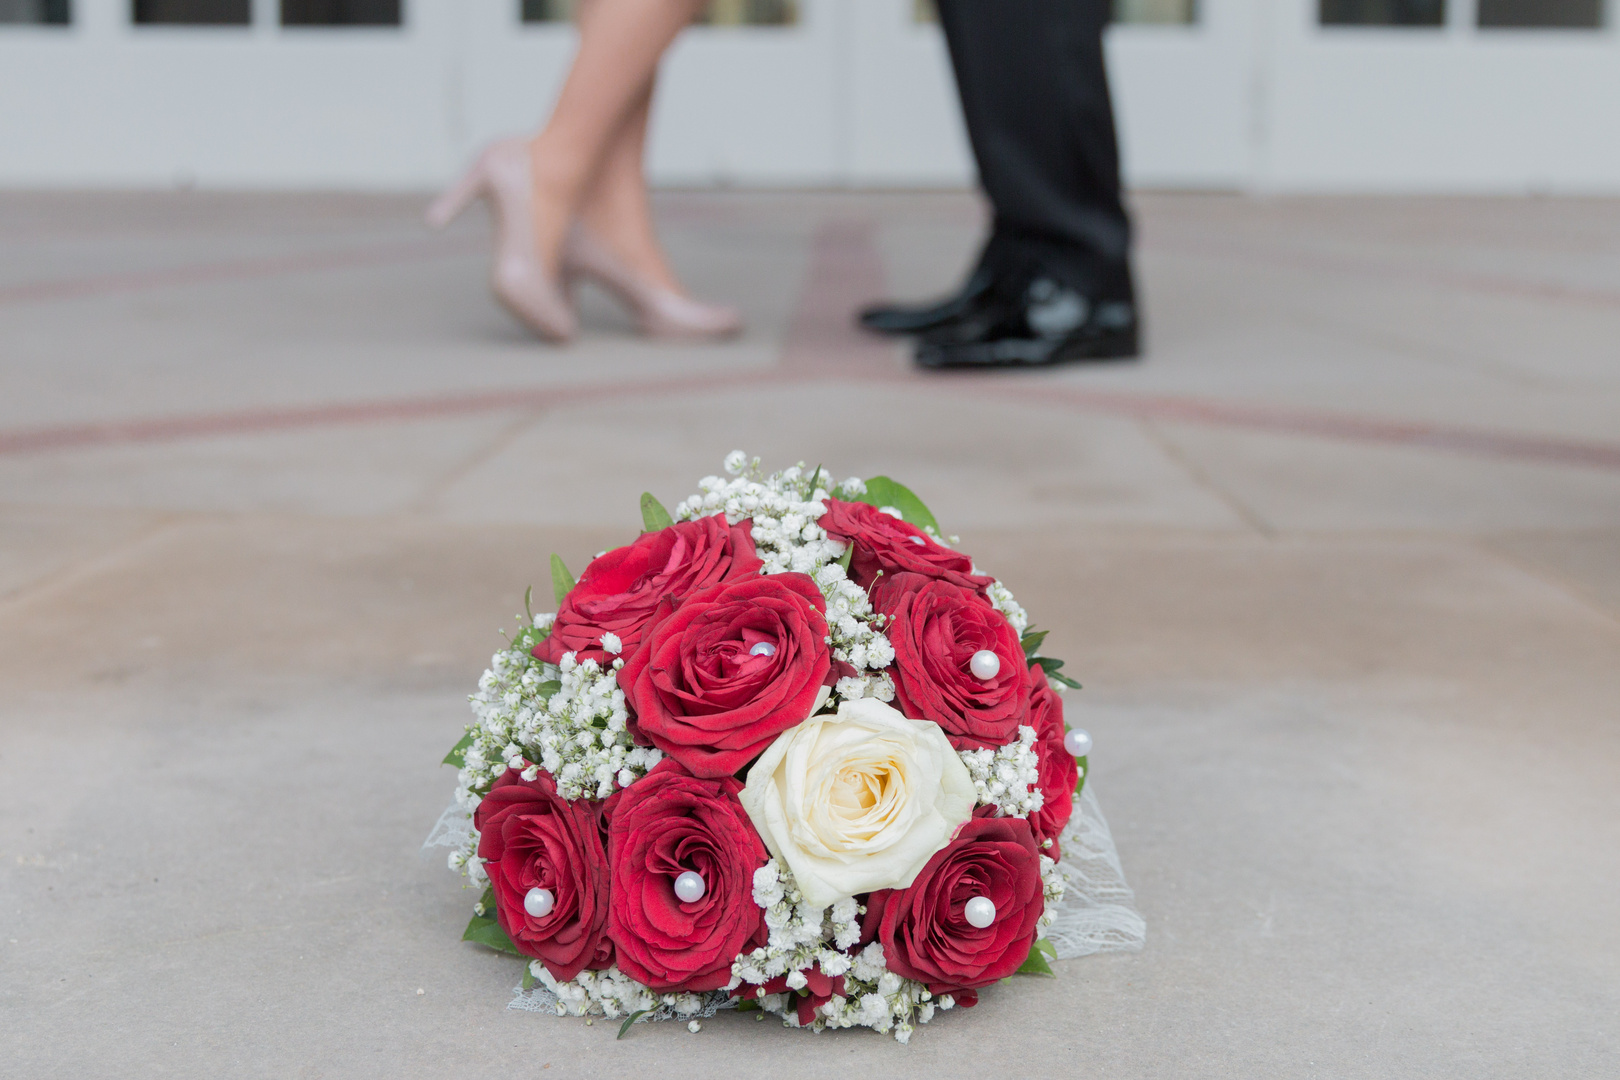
[{"x": 1254, "y": 97}]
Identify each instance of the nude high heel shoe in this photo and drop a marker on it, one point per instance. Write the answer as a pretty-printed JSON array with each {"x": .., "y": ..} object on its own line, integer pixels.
[
  {"x": 659, "y": 312},
  {"x": 518, "y": 275}
]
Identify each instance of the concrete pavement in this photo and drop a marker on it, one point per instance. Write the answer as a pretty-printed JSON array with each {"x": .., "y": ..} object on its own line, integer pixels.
[{"x": 1339, "y": 564}]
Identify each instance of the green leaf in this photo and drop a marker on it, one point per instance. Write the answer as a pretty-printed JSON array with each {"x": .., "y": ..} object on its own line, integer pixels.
[
  {"x": 1035, "y": 963},
  {"x": 745, "y": 1005},
  {"x": 488, "y": 932},
  {"x": 528, "y": 600},
  {"x": 849, "y": 553},
  {"x": 1032, "y": 641},
  {"x": 529, "y": 981},
  {"x": 562, "y": 582},
  {"x": 458, "y": 753},
  {"x": 624, "y": 1028},
  {"x": 547, "y": 688},
  {"x": 881, "y": 491},
  {"x": 1085, "y": 771},
  {"x": 1050, "y": 665},
  {"x": 653, "y": 515}
]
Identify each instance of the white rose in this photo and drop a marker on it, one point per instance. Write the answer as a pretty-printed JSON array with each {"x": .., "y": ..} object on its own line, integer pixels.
[{"x": 858, "y": 800}]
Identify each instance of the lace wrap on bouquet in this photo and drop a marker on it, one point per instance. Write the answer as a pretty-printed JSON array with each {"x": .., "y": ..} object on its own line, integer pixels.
[
  {"x": 1096, "y": 913},
  {"x": 454, "y": 830}
]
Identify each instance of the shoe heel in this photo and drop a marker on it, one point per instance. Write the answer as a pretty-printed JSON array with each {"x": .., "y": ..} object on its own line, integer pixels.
[
  {"x": 659, "y": 313},
  {"x": 447, "y": 207}
]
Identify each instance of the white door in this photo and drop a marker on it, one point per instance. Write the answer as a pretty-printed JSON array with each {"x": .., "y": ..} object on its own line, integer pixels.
[
  {"x": 1286, "y": 95},
  {"x": 1441, "y": 95}
]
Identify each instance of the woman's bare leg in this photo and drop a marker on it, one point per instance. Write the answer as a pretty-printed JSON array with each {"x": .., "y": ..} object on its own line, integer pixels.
[
  {"x": 620, "y": 44},
  {"x": 616, "y": 207}
]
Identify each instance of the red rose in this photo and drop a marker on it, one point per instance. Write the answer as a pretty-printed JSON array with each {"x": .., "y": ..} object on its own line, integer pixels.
[
  {"x": 1059, "y": 773},
  {"x": 937, "y": 629},
  {"x": 719, "y": 677},
  {"x": 819, "y": 988},
  {"x": 532, "y": 838},
  {"x": 884, "y": 543},
  {"x": 619, "y": 591},
  {"x": 663, "y": 825},
  {"x": 924, "y": 929}
]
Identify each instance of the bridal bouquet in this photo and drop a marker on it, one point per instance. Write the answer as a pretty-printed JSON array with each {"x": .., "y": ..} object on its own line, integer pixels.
[{"x": 788, "y": 751}]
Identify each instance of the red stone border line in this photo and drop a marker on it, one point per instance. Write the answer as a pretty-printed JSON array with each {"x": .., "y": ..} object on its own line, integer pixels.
[
  {"x": 1281, "y": 257},
  {"x": 238, "y": 270},
  {"x": 845, "y": 269},
  {"x": 1343, "y": 427},
  {"x": 1202, "y": 412}
]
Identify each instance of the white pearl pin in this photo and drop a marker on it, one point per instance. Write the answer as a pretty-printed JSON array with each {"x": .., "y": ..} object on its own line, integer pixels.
[
  {"x": 762, "y": 648},
  {"x": 539, "y": 902},
  {"x": 690, "y": 887},
  {"x": 980, "y": 911},
  {"x": 985, "y": 665},
  {"x": 1077, "y": 742}
]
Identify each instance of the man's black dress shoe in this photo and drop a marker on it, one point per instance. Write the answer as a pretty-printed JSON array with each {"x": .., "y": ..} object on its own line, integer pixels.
[
  {"x": 921, "y": 318},
  {"x": 1046, "y": 323}
]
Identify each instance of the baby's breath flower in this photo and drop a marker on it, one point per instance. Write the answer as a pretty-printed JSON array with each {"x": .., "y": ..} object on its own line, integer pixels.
[
  {"x": 1007, "y": 777},
  {"x": 1001, "y": 598}
]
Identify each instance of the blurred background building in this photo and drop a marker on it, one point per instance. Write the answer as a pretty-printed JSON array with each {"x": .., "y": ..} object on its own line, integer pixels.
[{"x": 1298, "y": 95}]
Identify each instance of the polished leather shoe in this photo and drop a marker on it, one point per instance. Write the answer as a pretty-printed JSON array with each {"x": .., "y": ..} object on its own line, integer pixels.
[
  {"x": 1046, "y": 323},
  {"x": 921, "y": 318}
]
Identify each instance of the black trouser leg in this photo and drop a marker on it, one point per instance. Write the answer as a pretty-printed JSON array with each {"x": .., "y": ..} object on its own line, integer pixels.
[{"x": 1035, "y": 98}]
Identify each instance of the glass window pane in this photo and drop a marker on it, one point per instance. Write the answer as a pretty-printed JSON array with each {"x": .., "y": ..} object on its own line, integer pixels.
[
  {"x": 1155, "y": 11},
  {"x": 548, "y": 10},
  {"x": 1382, "y": 12},
  {"x": 52, "y": 12},
  {"x": 194, "y": 12},
  {"x": 340, "y": 12},
  {"x": 1173, "y": 12},
  {"x": 1523, "y": 13},
  {"x": 751, "y": 13},
  {"x": 718, "y": 13}
]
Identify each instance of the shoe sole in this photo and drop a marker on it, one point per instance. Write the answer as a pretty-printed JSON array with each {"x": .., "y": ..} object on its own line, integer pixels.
[
  {"x": 895, "y": 326},
  {"x": 1024, "y": 352}
]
